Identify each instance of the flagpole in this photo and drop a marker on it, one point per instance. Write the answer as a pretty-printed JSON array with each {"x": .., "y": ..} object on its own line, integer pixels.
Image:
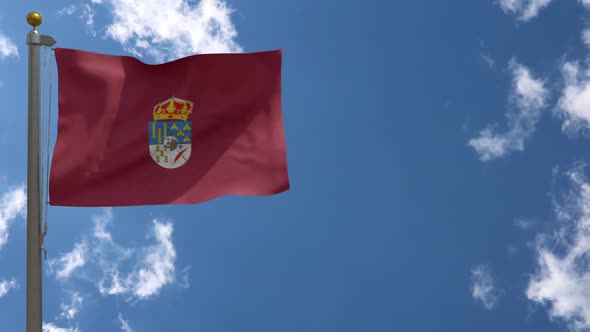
[{"x": 34, "y": 292}]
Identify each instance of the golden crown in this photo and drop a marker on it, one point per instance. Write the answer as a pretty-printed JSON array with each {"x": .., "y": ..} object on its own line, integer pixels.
[{"x": 173, "y": 109}]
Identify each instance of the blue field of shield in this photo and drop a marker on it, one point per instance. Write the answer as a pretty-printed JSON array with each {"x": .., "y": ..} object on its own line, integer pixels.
[{"x": 159, "y": 130}]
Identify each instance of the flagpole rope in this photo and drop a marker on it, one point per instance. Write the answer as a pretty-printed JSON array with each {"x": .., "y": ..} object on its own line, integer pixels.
[
  {"x": 47, "y": 139},
  {"x": 42, "y": 137},
  {"x": 51, "y": 60},
  {"x": 41, "y": 127}
]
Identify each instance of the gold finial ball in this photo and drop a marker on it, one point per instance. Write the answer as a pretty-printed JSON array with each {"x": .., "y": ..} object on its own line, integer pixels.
[{"x": 34, "y": 19}]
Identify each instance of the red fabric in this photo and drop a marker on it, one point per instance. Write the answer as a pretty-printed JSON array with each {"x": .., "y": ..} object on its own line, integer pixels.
[{"x": 102, "y": 157}]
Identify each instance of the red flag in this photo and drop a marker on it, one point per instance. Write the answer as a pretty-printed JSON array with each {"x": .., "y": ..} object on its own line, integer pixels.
[{"x": 181, "y": 132}]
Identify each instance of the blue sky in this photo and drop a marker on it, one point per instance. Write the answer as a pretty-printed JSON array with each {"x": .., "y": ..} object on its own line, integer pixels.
[{"x": 437, "y": 154}]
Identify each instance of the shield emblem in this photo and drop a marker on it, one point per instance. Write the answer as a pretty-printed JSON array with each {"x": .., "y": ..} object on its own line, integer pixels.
[{"x": 170, "y": 136}]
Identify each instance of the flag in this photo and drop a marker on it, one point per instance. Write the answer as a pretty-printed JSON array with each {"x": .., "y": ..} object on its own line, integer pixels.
[{"x": 181, "y": 132}]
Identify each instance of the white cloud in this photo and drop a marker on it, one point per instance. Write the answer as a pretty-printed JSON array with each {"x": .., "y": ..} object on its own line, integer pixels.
[
  {"x": 69, "y": 311},
  {"x": 87, "y": 17},
  {"x": 100, "y": 226},
  {"x": 525, "y": 224},
  {"x": 523, "y": 9},
  {"x": 185, "y": 277},
  {"x": 488, "y": 60},
  {"x": 69, "y": 10},
  {"x": 563, "y": 280},
  {"x": 574, "y": 104},
  {"x": 586, "y": 37},
  {"x": 482, "y": 286},
  {"x": 109, "y": 254},
  {"x": 12, "y": 204},
  {"x": 6, "y": 286},
  {"x": 68, "y": 263},
  {"x": 50, "y": 327},
  {"x": 155, "y": 270},
  {"x": 490, "y": 146},
  {"x": 152, "y": 269},
  {"x": 87, "y": 14},
  {"x": 528, "y": 96},
  {"x": 7, "y": 47},
  {"x": 125, "y": 327},
  {"x": 511, "y": 249},
  {"x": 170, "y": 29}
]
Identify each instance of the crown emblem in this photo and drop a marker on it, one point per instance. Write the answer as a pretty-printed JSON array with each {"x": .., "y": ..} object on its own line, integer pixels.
[{"x": 173, "y": 109}]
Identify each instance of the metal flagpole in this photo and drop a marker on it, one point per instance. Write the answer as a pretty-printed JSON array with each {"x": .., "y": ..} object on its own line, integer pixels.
[{"x": 34, "y": 307}]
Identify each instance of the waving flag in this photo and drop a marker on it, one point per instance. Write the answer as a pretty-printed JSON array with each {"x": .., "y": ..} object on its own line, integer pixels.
[{"x": 181, "y": 132}]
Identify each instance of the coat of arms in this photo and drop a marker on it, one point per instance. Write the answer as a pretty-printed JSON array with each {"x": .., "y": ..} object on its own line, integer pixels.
[{"x": 170, "y": 133}]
